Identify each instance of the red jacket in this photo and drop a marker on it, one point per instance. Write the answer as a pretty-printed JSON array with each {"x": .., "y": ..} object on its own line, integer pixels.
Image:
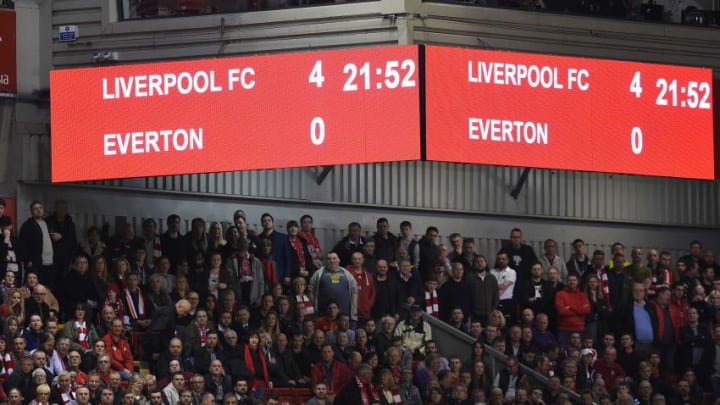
[
  {"x": 341, "y": 375},
  {"x": 366, "y": 294},
  {"x": 679, "y": 315},
  {"x": 609, "y": 372},
  {"x": 121, "y": 357},
  {"x": 572, "y": 318}
]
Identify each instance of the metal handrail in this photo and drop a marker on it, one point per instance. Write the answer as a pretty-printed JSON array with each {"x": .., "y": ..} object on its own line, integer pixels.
[{"x": 496, "y": 355}]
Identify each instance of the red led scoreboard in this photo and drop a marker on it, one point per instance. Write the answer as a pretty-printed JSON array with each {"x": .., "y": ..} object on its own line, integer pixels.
[
  {"x": 367, "y": 105},
  {"x": 237, "y": 113},
  {"x": 530, "y": 110}
]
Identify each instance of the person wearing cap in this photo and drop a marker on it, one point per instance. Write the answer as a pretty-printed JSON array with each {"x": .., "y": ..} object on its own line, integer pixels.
[
  {"x": 413, "y": 330},
  {"x": 586, "y": 369}
]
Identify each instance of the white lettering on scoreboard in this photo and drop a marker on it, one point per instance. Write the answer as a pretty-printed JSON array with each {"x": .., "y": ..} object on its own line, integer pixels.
[{"x": 164, "y": 140}]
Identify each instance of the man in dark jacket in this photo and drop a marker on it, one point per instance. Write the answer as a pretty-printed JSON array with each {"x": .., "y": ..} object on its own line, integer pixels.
[
  {"x": 37, "y": 248},
  {"x": 65, "y": 247},
  {"x": 162, "y": 327}
]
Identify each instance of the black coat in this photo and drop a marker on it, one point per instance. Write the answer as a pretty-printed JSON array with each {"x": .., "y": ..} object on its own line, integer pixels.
[
  {"x": 31, "y": 240},
  {"x": 161, "y": 330}
]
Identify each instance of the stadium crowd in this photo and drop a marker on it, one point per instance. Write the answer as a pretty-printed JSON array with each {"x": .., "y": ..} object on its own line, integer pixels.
[{"x": 224, "y": 315}]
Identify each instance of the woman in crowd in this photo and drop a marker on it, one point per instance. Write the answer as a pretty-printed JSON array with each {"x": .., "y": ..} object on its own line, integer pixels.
[
  {"x": 216, "y": 239},
  {"x": 181, "y": 289},
  {"x": 232, "y": 237},
  {"x": 121, "y": 268},
  {"x": 301, "y": 298},
  {"x": 497, "y": 319},
  {"x": 265, "y": 254},
  {"x": 14, "y": 306},
  {"x": 42, "y": 395},
  {"x": 388, "y": 390},
  {"x": 595, "y": 321},
  {"x": 12, "y": 329},
  {"x": 271, "y": 325},
  {"x": 7, "y": 284},
  {"x": 256, "y": 364},
  {"x": 80, "y": 330},
  {"x": 101, "y": 277},
  {"x": 197, "y": 238},
  {"x": 481, "y": 378},
  {"x": 136, "y": 386}
]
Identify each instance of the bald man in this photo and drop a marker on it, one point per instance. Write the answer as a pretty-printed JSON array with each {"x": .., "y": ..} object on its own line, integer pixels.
[{"x": 162, "y": 327}]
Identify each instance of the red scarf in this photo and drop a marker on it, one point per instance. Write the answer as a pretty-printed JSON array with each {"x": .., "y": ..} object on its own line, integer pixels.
[
  {"x": 245, "y": 271},
  {"x": 82, "y": 331},
  {"x": 251, "y": 366},
  {"x": 8, "y": 365},
  {"x": 431, "y": 303},
  {"x": 203, "y": 333},
  {"x": 297, "y": 246},
  {"x": 139, "y": 313},
  {"x": 363, "y": 392},
  {"x": 270, "y": 273}
]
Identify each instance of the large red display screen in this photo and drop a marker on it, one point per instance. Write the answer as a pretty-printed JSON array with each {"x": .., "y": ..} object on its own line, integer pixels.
[
  {"x": 237, "y": 113},
  {"x": 530, "y": 110}
]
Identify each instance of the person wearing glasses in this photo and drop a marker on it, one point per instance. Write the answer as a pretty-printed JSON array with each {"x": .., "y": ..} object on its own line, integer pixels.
[
  {"x": 103, "y": 368},
  {"x": 35, "y": 304}
]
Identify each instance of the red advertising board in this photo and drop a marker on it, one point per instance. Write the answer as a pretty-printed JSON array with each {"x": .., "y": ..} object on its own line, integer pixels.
[
  {"x": 238, "y": 113},
  {"x": 531, "y": 110},
  {"x": 8, "y": 54}
]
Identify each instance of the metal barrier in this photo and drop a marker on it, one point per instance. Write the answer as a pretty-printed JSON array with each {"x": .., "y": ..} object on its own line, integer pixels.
[{"x": 455, "y": 343}]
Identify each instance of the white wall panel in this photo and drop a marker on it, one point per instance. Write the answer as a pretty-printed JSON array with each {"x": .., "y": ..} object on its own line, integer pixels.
[
  {"x": 481, "y": 189},
  {"x": 92, "y": 205}
]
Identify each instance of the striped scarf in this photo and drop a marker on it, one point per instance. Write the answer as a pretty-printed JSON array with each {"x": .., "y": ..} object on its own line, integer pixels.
[{"x": 431, "y": 303}]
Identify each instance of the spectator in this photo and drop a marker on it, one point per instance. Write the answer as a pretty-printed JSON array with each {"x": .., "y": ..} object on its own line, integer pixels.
[
  {"x": 537, "y": 293},
  {"x": 457, "y": 291},
  {"x": 335, "y": 374},
  {"x": 507, "y": 279},
  {"x": 359, "y": 390},
  {"x": 321, "y": 396},
  {"x": 334, "y": 282},
  {"x": 121, "y": 356},
  {"x": 171, "y": 393},
  {"x": 414, "y": 331},
  {"x": 366, "y": 286},
  {"x": 430, "y": 260},
  {"x": 243, "y": 274},
  {"x": 385, "y": 241},
  {"x": 579, "y": 261},
  {"x": 350, "y": 244},
  {"x": 551, "y": 259},
  {"x": 387, "y": 292},
  {"x": 573, "y": 306}
]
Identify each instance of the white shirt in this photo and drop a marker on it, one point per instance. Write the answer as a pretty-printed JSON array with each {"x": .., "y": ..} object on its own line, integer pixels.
[{"x": 506, "y": 274}]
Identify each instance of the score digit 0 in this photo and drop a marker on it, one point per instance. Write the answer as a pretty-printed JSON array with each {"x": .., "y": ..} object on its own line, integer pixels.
[
  {"x": 636, "y": 140},
  {"x": 317, "y": 131}
]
